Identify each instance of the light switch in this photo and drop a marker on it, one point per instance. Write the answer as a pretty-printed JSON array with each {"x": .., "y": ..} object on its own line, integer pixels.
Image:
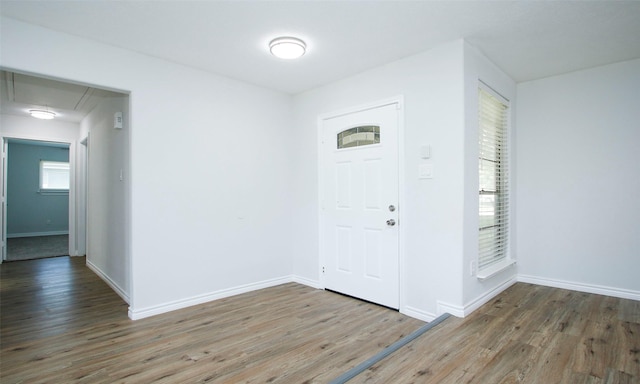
[
  {"x": 117, "y": 120},
  {"x": 425, "y": 151},
  {"x": 425, "y": 171}
]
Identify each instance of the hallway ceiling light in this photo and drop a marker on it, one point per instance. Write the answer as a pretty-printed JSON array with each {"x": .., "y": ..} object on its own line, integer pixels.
[
  {"x": 42, "y": 114},
  {"x": 287, "y": 47}
]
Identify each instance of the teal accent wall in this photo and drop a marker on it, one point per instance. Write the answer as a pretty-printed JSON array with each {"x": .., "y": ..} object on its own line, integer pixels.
[{"x": 28, "y": 211}]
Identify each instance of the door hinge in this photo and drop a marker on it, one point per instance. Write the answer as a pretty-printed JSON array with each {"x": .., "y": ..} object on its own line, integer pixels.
[{"x": 322, "y": 269}]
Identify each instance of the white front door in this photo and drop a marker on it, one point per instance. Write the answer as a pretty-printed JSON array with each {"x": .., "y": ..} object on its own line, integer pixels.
[{"x": 360, "y": 204}]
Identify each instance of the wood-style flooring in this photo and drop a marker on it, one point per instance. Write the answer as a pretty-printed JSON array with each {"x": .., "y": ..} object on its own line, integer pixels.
[{"x": 61, "y": 324}]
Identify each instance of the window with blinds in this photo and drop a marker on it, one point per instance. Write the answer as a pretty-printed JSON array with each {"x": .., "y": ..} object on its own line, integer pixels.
[
  {"x": 54, "y": 175},
  {"x": 494, "y": 179}
]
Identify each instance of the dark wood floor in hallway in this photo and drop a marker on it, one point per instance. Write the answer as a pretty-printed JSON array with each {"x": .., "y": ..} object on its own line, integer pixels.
[{"x": 61, "y": 324}]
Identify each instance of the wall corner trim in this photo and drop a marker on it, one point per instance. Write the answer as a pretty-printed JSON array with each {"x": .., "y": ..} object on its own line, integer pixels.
[
  {"x": 418, "y": 313},
  {"x": 455, "y": 310},
  {"x": 308, "y": 282},
  {"x": 467, "y": 309}
]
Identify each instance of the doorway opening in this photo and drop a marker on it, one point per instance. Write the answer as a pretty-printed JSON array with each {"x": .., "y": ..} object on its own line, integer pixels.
[
  {"x": 99, "y": 187},
  {"x": 37, "y": 190}
]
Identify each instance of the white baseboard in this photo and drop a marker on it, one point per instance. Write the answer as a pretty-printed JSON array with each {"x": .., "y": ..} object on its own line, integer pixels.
[
  {"x": 442, "y": 307},
  {"x": 580, "y": 287},
  {"x": 467, "y": 309},
  {"x": 455, "y": 310},
  {"x": 136, "y": 314},
  {"x": 417, "y": 313},
  {"x": 109, "y": 282},
  {"x": 308, "y": 282},
  {"x": 34, "y": 234},
  {"x": 488, "y": 296}
]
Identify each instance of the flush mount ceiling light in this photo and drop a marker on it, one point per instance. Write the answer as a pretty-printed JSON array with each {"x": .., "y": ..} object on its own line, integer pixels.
[
  {"x": 287, "y": 47},
  {"x": 42, "y": 114}
]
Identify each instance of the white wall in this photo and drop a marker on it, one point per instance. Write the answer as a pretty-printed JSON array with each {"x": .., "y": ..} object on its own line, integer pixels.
[
  {"x": 578, "y": 180},
  {"x": 432, "y": 210},
  {"x": 209, "y": 168},
  {"x": 108, "y": 223}
]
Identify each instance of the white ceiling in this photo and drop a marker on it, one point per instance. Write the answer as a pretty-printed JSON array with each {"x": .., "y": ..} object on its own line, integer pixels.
[
  {"x": 70, "y": 102},
  {"x": 527, "y": 39}
]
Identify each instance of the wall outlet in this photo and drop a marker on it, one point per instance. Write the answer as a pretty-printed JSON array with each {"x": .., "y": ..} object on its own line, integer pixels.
[{"x": 472, "y": 268}]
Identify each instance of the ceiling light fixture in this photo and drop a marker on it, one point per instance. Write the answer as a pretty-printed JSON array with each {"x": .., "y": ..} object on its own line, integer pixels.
[
  {"x": 42, "y": 114},
  {"x": 287, "y": 47}
]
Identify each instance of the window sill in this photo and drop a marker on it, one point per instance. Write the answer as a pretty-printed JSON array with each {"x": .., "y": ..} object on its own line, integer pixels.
[{"x": 495, "y": 269}]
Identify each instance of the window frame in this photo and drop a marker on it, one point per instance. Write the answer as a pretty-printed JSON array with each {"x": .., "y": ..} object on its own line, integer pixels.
[
  {"x": 494, "y": 246},
  {"x": 42, "y": 189}
]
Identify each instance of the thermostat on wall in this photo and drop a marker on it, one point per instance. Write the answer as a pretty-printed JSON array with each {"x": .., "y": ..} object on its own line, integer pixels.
[{"x": 117, "y": 120}]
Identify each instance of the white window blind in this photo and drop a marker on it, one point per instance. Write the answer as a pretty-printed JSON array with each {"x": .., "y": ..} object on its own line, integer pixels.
[
  {"x": 494, "y": 179},
  {"x": 54, "y": 175}
]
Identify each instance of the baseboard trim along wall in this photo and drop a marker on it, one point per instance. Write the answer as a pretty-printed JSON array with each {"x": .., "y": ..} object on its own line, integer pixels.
[
  {"x": 462, "y": 311},
  {"x": 442, "y": 307},
  {"x": 34, "y": 234},
  {"x": 580, "y": 287},
  {"x": 201, "y": 299},
  {"x": 308, "y": 282},
  {"x": 109, "y": 282},
  {"x": 455, "y": 310},
  {"x": 417, "y": 313}
]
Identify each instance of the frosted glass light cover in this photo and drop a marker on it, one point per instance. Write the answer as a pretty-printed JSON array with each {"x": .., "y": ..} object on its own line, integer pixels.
[
  {"x": 40, "y": 114},
  {"x": 287, "y": 47}
]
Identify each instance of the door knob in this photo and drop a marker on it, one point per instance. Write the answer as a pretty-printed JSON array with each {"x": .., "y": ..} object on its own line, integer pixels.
[{"x": 391, "y": 222}]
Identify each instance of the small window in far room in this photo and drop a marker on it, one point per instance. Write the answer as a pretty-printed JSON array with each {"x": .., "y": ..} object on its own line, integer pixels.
[{"x": 54, "y": 176}]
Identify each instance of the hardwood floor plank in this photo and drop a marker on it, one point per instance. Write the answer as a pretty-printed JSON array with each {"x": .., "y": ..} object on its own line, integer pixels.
[
  {"x": 582, "y": 378},
  {"x": 530, "y": 345},
  {"x": 552, "y": 360},
  {"x": 61, "y": 324}
]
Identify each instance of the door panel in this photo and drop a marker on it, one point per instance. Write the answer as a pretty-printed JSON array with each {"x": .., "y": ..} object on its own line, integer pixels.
[{"x": 360, "y": 165}]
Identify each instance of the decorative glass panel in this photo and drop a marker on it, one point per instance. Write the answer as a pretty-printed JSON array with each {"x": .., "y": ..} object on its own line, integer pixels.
[{"x": 359, "y": 136}]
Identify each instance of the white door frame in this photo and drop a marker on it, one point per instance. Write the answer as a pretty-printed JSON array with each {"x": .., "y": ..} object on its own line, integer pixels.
[
  {"x": 399, "y": 101},
  {"x": 3, "y": 177},
  {"x": 72, "y": 187}
]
